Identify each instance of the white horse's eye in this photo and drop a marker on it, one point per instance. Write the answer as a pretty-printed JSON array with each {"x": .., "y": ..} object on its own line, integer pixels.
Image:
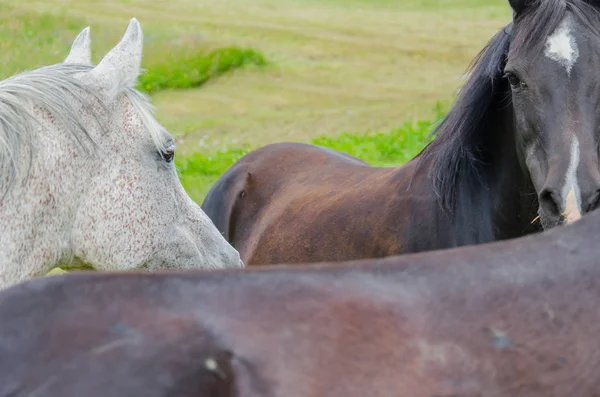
[{"x": 169, "y": 154}]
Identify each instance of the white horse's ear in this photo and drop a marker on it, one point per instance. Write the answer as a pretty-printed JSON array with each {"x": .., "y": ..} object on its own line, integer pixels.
[
  {"x": 81, "y": 50},
  {"x": 120, "y": 68}
]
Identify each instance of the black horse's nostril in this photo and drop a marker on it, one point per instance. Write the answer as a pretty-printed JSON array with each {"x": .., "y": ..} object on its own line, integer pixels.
[{"x": 549, "y": 201}]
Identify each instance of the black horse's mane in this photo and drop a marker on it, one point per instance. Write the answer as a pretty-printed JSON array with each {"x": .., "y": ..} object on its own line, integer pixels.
[{"x": 460, "y": 152}]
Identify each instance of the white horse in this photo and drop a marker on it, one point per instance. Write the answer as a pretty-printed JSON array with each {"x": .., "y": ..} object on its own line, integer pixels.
[{"x": 87, "y": 176}]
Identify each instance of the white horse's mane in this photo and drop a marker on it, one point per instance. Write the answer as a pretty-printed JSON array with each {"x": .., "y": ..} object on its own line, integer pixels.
[{"x": 56, "y": 90}]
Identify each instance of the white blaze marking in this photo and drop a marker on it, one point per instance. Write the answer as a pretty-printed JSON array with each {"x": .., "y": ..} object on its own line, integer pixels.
[
  {"x": 570, "y": 190},
  {"x": 561, "y": 46}
]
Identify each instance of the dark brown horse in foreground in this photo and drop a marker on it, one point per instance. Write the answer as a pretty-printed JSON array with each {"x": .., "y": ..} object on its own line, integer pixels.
[
  {"x": 521, "y": 141},
  {"x": 506, "y": 319}
]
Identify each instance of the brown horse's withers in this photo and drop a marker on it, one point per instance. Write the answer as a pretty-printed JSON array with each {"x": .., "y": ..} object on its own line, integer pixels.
[{"x": 512, "y": 318}]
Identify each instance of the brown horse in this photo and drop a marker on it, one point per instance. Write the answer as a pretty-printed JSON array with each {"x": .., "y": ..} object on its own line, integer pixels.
[
  {"x": 520, "y": 142},
  {"x": 505, "y": 319}
]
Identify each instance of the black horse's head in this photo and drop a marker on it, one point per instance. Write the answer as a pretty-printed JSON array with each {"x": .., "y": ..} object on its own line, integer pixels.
[{"x": 553, "y": 70}]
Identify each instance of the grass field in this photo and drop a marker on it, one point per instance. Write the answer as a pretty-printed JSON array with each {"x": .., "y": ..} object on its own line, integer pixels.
[{"x": 230, "y": 75}]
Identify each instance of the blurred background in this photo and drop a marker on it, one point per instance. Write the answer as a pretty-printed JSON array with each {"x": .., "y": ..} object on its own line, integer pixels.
[{"x": 367, "y": 77}]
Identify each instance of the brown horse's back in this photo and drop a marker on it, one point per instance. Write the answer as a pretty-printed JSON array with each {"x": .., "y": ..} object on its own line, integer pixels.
[
  {"x": 293, "y": 202},
  {"x": 508, "y": 319}
]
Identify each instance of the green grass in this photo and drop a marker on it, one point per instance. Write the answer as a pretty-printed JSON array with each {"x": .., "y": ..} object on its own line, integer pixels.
[
  {"x": 30, "y": 40},
  {"x": 386, "y": 149},
  {"x": 199, "y": 171},
  {"x": 194, "y": 70}
]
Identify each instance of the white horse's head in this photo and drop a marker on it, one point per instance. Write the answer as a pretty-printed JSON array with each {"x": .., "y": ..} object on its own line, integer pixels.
[{"x": 87, "y": 176}]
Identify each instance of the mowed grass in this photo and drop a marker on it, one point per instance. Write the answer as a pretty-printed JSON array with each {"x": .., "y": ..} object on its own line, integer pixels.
[{"x": 336, "y": 66}]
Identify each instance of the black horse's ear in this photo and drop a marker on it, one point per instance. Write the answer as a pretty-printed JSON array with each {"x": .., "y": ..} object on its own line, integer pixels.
[{"x": 519, "y": 6}]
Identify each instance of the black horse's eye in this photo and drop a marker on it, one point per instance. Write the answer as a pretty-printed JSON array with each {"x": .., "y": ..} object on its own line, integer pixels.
[
  {"x": 169, "y": 154},
  {"x": 514, "y": 80}
]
